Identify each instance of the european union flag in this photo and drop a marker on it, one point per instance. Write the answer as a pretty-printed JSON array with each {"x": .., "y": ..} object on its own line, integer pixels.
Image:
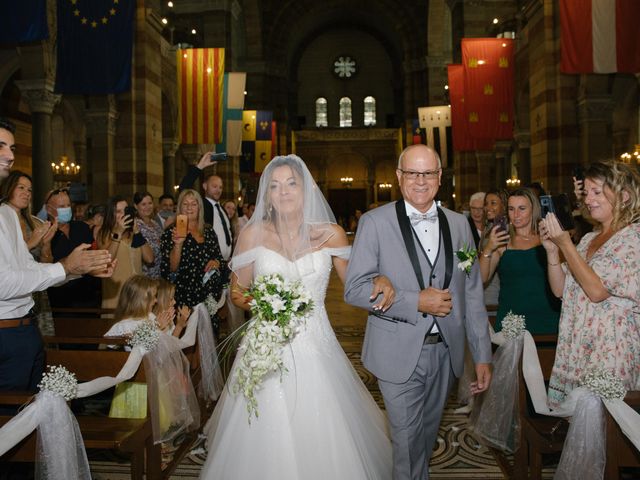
[
  {"x": 25, "y": 21},
  {"x": 95, "y": 44}
]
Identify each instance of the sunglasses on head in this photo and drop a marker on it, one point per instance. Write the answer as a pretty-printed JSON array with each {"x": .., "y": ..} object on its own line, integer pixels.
[{"x": 56, "y": 192}]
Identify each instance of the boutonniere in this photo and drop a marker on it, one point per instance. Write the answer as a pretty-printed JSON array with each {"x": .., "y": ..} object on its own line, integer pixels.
[{"x": 466, "y": 256}]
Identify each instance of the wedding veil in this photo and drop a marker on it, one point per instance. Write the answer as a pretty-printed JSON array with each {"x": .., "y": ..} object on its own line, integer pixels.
[{"x": 292, "y": 218}]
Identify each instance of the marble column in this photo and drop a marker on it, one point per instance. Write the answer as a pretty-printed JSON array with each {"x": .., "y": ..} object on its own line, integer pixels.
[
  {"x": 169, "y": 149},
  {"x": 38, "y": 94}
]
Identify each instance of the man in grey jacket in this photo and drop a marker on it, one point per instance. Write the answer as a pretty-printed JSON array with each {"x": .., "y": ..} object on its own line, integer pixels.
[{"x": 416, "y": 347}]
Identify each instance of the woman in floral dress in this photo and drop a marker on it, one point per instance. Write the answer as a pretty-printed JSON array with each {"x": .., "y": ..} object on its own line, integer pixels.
[{"x": 599, "y": 281}]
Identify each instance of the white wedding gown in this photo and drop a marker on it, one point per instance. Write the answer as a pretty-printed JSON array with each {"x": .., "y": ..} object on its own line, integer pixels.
[{"x": 316, "y": 422}]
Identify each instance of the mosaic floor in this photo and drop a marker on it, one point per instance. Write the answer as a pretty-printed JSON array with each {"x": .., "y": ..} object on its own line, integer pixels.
[{"x": 458, "y": 455}]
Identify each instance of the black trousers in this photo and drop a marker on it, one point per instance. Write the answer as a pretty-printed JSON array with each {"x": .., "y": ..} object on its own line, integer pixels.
[{"x": 21, "y": 357}]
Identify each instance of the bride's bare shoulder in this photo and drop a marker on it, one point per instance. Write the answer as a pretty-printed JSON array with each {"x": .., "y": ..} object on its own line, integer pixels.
[{"x": 338, "y": 237}]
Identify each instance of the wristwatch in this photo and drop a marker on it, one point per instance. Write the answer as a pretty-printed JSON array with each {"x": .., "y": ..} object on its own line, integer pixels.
[{"x": 115, "y": 236}]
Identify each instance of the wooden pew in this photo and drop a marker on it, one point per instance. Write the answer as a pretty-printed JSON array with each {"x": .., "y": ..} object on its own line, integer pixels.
[
  {"x": 620, "y": 451},
  {"x": 132, "y": 436},
  {"x": 81, "y": 326},
  {"x": 540, "y": 434}
]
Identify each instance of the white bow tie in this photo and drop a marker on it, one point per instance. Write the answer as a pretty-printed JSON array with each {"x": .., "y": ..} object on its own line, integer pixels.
[{"x": 416, "y": 218}]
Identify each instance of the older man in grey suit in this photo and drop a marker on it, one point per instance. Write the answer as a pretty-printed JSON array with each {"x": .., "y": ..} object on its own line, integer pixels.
[{"x": 416, "y": 347}]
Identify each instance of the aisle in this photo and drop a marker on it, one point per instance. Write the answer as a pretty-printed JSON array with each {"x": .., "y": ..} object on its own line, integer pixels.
[{"x": 457, "y": 456}]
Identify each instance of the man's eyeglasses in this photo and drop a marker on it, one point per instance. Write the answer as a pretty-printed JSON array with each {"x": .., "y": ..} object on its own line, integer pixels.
[{"x": 428, "y": 174}]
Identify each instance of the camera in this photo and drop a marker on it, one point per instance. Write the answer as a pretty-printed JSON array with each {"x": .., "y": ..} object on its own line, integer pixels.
[
  {"x": 560, "y": 206},
  {"x": 218, "y": 157}
]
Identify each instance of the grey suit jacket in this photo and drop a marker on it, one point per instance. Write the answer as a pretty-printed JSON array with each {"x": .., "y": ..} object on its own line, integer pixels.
[{"x": 392, "y": 347}]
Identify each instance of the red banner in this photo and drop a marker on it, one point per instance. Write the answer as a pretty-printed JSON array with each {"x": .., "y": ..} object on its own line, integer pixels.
[
  {"x": 462, "y": 140},
  {"x": 488, "y": 86},
  {"x": 599, "y": 36}
]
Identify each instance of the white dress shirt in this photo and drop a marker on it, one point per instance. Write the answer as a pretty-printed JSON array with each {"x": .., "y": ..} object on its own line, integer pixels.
[
  {"x": 20, "y": 274},
  {"x": 225, "y": 249},
  {"x": 429, "y": 235}
]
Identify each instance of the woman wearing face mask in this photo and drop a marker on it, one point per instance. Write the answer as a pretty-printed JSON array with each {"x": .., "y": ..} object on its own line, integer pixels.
[
  {"x": 120, "y": 235},
  {"x": 69, "y": 234}
]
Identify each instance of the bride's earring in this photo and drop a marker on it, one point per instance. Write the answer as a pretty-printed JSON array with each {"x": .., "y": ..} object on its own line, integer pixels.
[{"x": 270, "y": 209}]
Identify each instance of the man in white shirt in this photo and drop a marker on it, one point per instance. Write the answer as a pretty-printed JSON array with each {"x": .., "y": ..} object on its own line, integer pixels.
[{"x": 21, "y": 351}]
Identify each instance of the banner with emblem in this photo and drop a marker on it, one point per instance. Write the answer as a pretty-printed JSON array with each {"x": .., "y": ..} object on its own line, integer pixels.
[
  {"x": 257, "y": 137},
  {"x": 200, "y": 90},
  {"x": 233, "y": 103},
  {"x": 461, "y": 138},
  {"x": 488, "y": 87},
  {"x": 436, "y": 121},
  {"x": 94, "y": 46},
  {"x": 27, "y": 22}
]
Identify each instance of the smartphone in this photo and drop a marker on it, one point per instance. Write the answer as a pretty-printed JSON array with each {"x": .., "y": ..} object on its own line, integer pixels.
[
  {"x": 218, "y": 157},
  {"x": 560, "y": 206},
  {"x": 131, "y": 211},
  {"x": 502, "y": 223},
  {"x": 181, "y": 225},
  {"x": 578, "y": 172}
]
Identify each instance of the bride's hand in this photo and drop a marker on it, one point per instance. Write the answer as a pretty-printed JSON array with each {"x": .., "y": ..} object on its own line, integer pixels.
[{"x": 382, "y": 285}]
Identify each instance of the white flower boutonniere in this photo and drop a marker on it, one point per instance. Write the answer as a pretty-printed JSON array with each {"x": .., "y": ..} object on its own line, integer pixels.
[{"x": 466, "y": 257}]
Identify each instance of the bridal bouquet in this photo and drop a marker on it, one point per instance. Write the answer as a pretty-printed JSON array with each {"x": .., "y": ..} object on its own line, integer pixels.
[{"x": 279, "y": 310}]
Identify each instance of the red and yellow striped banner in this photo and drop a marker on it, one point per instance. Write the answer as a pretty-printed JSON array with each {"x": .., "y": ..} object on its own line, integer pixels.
[{"x": 200, "y": 91}]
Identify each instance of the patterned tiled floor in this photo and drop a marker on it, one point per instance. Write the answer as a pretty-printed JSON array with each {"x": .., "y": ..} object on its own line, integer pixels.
[{"x": 457, "y": 457}]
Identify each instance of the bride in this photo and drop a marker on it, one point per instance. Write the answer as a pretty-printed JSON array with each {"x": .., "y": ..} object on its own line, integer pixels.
[{"x": 317, "y": 420}]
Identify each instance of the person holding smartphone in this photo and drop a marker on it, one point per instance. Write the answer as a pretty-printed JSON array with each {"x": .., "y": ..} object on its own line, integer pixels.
[
  {"x": 598, "y": 281},
  {"x": 495, "y": 205},
  {"x": 517, "y": 255},
  {"x": 191, "y": 257},
  {"x": 120, "y": 235}
]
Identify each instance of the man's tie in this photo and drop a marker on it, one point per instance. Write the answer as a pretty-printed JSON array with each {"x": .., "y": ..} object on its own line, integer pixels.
[
  {"x": 416, "y": 218},
  {"x": 223, "y": 219}
]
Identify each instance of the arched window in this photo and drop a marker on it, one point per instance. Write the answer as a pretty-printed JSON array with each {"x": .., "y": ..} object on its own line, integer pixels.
[
  {"x": 321, "y": 112},
  {"x": 369, "y": 111},
  {"x": 345, "y": 112}
]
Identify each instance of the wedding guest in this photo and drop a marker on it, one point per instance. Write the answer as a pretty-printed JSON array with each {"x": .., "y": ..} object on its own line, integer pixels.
[
  {"x": 520, "y": 259},
  {"x": 598, "y": 281},
  {"x": 95, "y": 217},
  {"x": 166, "y": 311},
  {"x": 80, "y": 211},
  {"x": 166, "y": 211},
  {"x": 83, "y": 291},
  {"x": 248, "y": 213},
  {"x": 192, "y": 262},
  {"x": 495, "y": 204},
  {"x": 20, "y": 275},
  {"x": 232, "y": 212},
  {"x": 476, "y": 216},
  {"x": 16, "y": 191},
  {"x": 150, "y": 230},
  {"x": 120, "y": 235}
]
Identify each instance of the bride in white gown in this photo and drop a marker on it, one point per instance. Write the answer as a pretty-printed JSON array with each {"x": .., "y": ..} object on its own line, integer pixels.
[{"x": 317, "y": 420}]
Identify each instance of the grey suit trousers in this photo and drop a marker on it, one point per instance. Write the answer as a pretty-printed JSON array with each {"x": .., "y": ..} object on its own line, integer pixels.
[{"x": 415, "y": 409}]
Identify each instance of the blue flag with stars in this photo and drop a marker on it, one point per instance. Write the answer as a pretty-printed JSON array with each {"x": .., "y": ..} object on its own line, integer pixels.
[{"x": 95, "y": 44}]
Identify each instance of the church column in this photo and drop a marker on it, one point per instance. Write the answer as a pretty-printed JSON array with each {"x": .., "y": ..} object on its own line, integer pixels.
[
  {"x": 169, "y": 149},
  {"x": 101, "y": 120},
  {"x": 594, "y": 118},
  {"x": 371, "y": 183},
  {"x": 80, "y": 151},
  {"x": 38, "y": 94}
]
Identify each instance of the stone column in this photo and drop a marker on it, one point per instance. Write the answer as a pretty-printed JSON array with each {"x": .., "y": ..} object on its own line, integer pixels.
[
  {"x": 38, "y": 94},
  {"x": 371, "y": 183},
  {"x": 169, "y": 149},
  {"x": 101, "y": 131},
  {"x": 80, "y": 150},
  {"x": 594, "y": 118}
]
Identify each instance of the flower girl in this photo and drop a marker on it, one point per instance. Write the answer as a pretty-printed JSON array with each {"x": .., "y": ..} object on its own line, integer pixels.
[
  {"x": 165, "y": 309},
  {"x": 135, "y": 305}
]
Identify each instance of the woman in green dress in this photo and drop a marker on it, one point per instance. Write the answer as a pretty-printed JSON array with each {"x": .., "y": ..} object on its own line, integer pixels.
[{"x": 521, "y": 262}]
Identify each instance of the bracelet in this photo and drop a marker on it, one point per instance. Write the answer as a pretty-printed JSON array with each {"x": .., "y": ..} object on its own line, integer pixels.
[
  {"x": 553, "y": 264},
  {"x": 486, "y": 255}
]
